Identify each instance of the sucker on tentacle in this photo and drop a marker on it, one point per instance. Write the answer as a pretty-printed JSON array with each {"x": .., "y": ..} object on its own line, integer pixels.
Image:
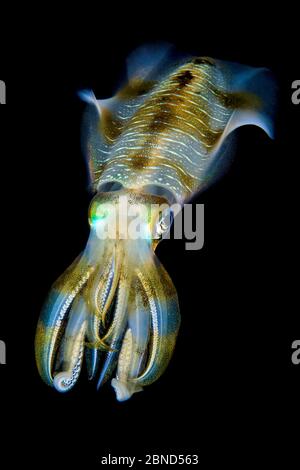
[{"x": 159, "y": 141}]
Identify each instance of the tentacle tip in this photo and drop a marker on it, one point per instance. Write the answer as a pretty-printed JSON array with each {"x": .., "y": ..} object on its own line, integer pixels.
[
  {"x": 63, "y": 382},
  {"x": 124, "y": 391}
]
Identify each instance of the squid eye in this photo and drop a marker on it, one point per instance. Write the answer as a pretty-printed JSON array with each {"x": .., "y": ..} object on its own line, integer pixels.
[
  {"x": 164, "y": 223},
  {"x": 101, "y": 214},
  {"x": 98, "y": 212},
  {"x": 162, "y": 227}
]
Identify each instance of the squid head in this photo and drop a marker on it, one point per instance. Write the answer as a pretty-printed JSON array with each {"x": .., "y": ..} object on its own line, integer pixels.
[{"x": 116, "y": 305}]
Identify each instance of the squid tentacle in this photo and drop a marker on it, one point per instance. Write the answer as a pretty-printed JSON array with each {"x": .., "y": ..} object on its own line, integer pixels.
[
  {"x": 102, "y": 293},
  {"x": 72, "y": 347},
  {"x": 134, "y": 346},
  {"x": 116, "y": 331},
  {"x": 55, "y": 315},
  {"x": 165, "y": 321},
  {"x": 153, "y": 323}
]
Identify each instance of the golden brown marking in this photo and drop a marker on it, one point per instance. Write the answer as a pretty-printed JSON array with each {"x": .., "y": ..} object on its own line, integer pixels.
[
  {"x": 183, "y": 78},
  {"x": 173, "y": 108},
  {"x": 139, "y": 162},
  {"x": 239, "y": 100},
  {"x": 110, "y": 127}
]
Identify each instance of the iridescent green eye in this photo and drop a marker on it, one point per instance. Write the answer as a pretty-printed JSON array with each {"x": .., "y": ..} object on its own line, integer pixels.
[{"x": 98, "y": 212}]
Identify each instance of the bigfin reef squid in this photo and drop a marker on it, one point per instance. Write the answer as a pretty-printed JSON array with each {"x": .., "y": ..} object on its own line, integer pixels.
[{"x": 161, "y": 139}]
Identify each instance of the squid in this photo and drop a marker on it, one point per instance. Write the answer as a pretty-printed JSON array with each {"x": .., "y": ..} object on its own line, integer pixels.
[{"x": 164, "y": 137}]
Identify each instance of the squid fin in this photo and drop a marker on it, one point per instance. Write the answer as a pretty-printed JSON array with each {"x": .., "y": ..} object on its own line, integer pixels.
[
  {"x": 109, "y": 126},
  {"x": 252, "y": 96}
]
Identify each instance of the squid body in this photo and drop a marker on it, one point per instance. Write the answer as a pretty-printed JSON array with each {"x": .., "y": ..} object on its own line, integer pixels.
[{"x": 161, "y": 139}]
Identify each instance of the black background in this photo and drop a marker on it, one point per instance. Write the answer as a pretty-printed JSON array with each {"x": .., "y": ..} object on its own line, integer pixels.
[{"x": 230, "y": 392}]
